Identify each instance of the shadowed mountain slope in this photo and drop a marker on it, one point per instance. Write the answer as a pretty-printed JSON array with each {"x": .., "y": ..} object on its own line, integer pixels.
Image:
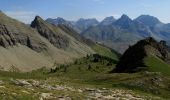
[{"x": 134, "y": 59}]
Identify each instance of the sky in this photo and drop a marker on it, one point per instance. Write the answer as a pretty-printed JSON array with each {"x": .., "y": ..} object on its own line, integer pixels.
[{"x": 26, "y": 10}]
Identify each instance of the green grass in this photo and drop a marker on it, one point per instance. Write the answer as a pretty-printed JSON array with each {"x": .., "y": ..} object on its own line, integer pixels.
[
  {"x": 104, "y": 51},
  {"x": 86, "y": 67},
  {"x": 157, "y": 65},
  {"x": 78, "y": 74}
]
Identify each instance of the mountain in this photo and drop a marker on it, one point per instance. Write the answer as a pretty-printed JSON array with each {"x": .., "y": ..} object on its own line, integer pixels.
[
  {"x": 148, "y": 20},
  {"x": 61, "y": 21},
  {"x": 108, "y": 21},
  {"x": 124, "y": 31},
  {"x": 79, "y": 25},
  {"x": 83, "y": 24},
  {"x": 50, "y": 33},
  {"x": 137, "y": 56},
  {"x": 29, "y": 48},
  {"x": 123, "y": 22},
  {"x": 120, "y": 34},
  {"x": 42, "y": 44},
  {"x": 57, "y": 21}
]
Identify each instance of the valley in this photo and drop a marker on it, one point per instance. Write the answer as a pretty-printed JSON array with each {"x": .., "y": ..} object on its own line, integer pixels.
[{"x": 86, "y": 54}]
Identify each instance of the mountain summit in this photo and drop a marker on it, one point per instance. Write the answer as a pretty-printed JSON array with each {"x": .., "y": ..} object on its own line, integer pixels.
[
  {"x": 148, "y": 20},
  {"x": 108, "y": 21},
  {"x": 134, "y": 57},
  {"x": 49, "y": 32},
  {"x": 124, "y": 22}
]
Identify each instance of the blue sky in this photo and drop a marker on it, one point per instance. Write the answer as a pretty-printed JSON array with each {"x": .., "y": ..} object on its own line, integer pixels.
[{"x": 25, "y": 10}]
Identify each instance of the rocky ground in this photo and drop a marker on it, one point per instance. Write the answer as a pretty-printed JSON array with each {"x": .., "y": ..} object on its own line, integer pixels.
[{"x": 28, "y": 89}]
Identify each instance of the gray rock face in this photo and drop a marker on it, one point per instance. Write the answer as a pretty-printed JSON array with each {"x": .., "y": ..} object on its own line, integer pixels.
[
  {"x": 49, "y": 32},
  {"x": 10, "y": 38},
  {"x": 6, "y": 38},
  {"x": 13, "y": 32}
]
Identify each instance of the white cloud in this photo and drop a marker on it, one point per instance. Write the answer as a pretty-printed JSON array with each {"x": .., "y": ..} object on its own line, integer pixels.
[{"x": 24, "y": 16}]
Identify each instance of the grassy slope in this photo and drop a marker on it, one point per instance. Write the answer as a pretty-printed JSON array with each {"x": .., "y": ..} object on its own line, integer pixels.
[
  {"x": 157, "y": 65},
  {"x": 104, "y": 51},
  {"x": 78, "y": 74},
  {"x": 99, "y": 49}
]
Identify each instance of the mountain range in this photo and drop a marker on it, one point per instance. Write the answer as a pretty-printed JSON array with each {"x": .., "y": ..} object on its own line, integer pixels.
[
  {"x": 79, "y": 25},
  {"x": 120, "y": 33},
  {"x": 41, "y": 44}
]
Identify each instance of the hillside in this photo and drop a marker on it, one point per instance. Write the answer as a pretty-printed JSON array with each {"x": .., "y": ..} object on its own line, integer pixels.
[
  {"x": 97, "y": 47},
  {"x": 86, "y": 78},
  {"x": 43, "y": 44},
  {"x": 147, "y": 54},
  {"x": 24, "y": 48}
]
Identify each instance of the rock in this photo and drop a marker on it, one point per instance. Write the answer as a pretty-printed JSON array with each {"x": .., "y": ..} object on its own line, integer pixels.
[
  {"x": 89, "y": 89},
  {"x": 109, "y": 97},
  {"x": 45, "y": 96},
  {"x": 35, "y": 83},
  {"x": 64, "y": 98},
  {"x": 21, "y": 82},
  {"x": 2, "y": 87},
  {"x": 48, "y": 31},
  {"x": 79, "y": 90},
  {"x": 13, "y": 33},
  {"x": 98, "y": 95},
  {"x": 1, "y": 82},
  {"x": 25, "y": 92}
]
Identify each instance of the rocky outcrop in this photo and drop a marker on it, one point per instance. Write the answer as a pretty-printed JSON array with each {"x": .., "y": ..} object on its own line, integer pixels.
[
  {"x": 132, "y": 59},
  {"x": 13, "y": 32},
  {"x": 49, "y": 32}
]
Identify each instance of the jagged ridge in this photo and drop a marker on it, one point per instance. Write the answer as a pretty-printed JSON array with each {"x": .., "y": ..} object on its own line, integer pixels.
[
  {"x": 13, "y": 32},
  {"x": 48, "y": 31},
  {"x": 133, "y": 59}
]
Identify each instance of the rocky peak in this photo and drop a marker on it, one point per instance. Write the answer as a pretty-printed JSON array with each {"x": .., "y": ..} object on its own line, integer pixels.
[
  {"x": 88, "y": 21},
  {"x": 108, "y": 21},
  {"x": 57, "y": 21},
  {"x": 37, "y": 21},
  {"x": 132, "y": 59},
  {"x": 50, "y": 32},
  {"x": 148, "y": 20},
  {"x": 60, "y": 19},
  {"x": 124, "y": 22},
  {"x": 124, "y": 16},
  {"x": 11, "y": 35}
]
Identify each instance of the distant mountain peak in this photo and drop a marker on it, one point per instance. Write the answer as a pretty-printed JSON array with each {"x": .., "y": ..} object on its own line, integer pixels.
[
  {"x": 88, "y": 19},
  {"x": 125, "y": 16},
  {"x": 148, "y": 20},
  {"x": 57, "y": 21},
  {"x": 83, "y": 24},
  {"x": 124, "y": 21},
  {"x": 110, "y": 17},
  {"x": 108, "y": 20}
]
